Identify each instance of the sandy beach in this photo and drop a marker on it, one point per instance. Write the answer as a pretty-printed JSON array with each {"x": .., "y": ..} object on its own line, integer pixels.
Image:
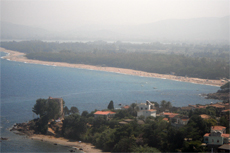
[
  {"x": 20, "y": 57},
  {"x": 76, "y": 145}
]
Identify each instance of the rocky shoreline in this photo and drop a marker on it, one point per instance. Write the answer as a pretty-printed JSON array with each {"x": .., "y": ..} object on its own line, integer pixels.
[
  {"x": 22, "y": 129},
  {"x": 219, "y": 96},
  {"x": 52, "y": 137},
  {"x": 222, "y": 94}
]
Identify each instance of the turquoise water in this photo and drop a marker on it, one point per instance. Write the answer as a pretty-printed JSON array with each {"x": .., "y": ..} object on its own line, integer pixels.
[{"x": 23, "y": 83}]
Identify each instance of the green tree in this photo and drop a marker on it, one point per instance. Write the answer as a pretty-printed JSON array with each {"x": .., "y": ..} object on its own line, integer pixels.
[
  {"x": 225, "y": 86},
  {"x": 40, "y": 107},
  {"x": 155, "y": 104},
  {"x": 74, "y": 126},
  {"x": 224, "y": 122},
  {"x": 168, "y": 105},
  {"x": 210, "y": 122},
  {"x": 193, "y": 146},
  {"x": 74, "y": 110},
  {"x": 133, "y": 109},
  {"x": 66, "y": 110},
  {"x": 85, "y": 113},
  {"x": 41, "y": 125},
  {"x": 163, "y": 104},
  {"x": 110, "y": 106},
  {"x": 53, "y": 109},
  {"x": 143, "y": 149},
  {"x": 196, "y": 128},
  {"x": 126, "y": 144}
]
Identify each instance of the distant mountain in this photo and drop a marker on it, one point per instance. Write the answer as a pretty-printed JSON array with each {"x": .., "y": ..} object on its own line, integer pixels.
[
  {"x": 188, "y": 29},
  {"x": 15, "y": 31},
  {"x": 198, "y": 29}
]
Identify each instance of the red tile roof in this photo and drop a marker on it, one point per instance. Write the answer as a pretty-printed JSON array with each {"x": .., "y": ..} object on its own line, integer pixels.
[
  {"x": 104, "y": 112},
  {"x": 206, "y": 134},
  {"x": 226, "y": 135},
  {"x": 226, "y": 110},
  {"x": 126, "y": 107},
  {"x": 165, "y": 119},
  {"x": 218, "y": 127},
  {"x": 201, "y": 106},
  {"x": 164, "y": 113},
  {"x": 223, "y": 135},
  {"x": 217, "y": 106},
  {"x": 173, "y": 115},
  {"x": 185, "y": 119},
  {"x": 204, "y": 116},
  {"x": 151, "y": 110}
]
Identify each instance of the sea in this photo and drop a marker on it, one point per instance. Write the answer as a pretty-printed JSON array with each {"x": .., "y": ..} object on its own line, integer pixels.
[{"x": 23, "y": 83}]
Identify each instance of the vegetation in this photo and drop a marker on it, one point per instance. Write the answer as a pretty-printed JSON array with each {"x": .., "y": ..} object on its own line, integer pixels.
[
  {"x": 148, "y": 62},
  {"x": 203, "y": 61},
  {"x": 111, "y": 106},
  {"x": 47, "y": 110},
  {"x": 153, "y": 135},
  {"x": 222, "y": 94}
]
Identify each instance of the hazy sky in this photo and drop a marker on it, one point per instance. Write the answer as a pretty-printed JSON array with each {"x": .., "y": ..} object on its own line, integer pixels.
[{"x": 120, "y": 12}]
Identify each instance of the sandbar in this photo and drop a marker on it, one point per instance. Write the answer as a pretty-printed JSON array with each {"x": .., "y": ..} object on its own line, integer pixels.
[{"x": 20, "y": 57}]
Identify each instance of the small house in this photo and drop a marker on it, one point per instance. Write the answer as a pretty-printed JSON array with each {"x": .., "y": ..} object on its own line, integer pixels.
[
  {"x": 106, "y": 114},
  {"x": 218, "y": 136}
]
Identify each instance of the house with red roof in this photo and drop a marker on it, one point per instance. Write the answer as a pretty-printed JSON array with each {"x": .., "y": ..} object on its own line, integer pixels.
[
  {"x": 168, "y": 115},
  {"x": 227, "y": 106},
  {"x": 225, "y": 113},
  {"x": 179, "y": 121},
  {"x": 218, "y": 136},
  {"x": 106, "y": 114},
  {"x": 218, "y": 106},
  {"x": 125, "y": 107},
  {"x": 205, "y": 116}
]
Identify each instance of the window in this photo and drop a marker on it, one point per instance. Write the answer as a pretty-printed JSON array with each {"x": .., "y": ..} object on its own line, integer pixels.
[{"x": 141, "y": 108}]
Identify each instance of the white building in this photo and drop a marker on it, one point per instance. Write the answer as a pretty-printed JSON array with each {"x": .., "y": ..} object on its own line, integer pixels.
[
  {"x": 146, "y": 109},
  {"x": 217, "y": 136}
]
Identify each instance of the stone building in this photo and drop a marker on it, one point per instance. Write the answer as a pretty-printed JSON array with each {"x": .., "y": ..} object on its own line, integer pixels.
[{"x": 60, "y": 102}]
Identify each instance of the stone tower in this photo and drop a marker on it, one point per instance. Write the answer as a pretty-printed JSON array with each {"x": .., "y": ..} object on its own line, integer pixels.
[{"x": 60, "y": 102}]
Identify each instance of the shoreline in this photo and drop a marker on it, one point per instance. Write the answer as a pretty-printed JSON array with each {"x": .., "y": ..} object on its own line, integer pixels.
[
  {"x": 20, "y": 57},
  {"x": 75, "y": 145}
]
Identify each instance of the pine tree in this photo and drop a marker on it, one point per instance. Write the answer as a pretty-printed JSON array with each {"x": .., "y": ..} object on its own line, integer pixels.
[{"x": 110, "y": 106}]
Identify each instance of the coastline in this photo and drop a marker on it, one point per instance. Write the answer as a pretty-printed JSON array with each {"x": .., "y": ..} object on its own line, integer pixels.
[
  {"x": 76, "y": 145},
  {"x": 20, "y": 57}
]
